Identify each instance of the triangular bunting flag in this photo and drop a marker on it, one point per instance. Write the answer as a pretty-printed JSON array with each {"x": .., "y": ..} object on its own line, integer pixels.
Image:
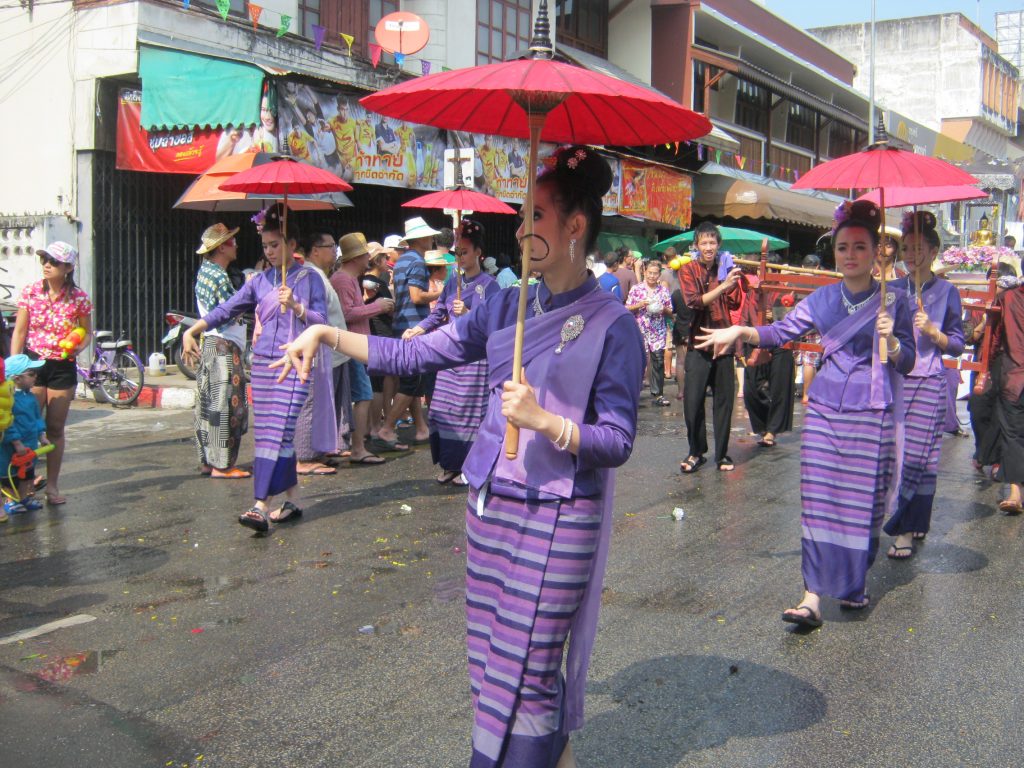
[
  {"x": 399, "y": 58},
  {"x": 185, "y": 4},
  {"x": 796, "y": 175},
  {"x": 318, "y": 35},
  {"x": 741, "y": 161},
  {"x": 677, "y": 147},
  {"x": 224, "y": 8},
  {"x": 700, "y": 152},
  {"x": 349, "y": 39},
  {"x": 425, "y": 67},
  {"x": 446, "y": 69},
  {"x": 375, "y": 54},
  {"x": 718, "y": 156},
  {"x": 286, "y": 21},
  {"x": 254, "y": 13}
]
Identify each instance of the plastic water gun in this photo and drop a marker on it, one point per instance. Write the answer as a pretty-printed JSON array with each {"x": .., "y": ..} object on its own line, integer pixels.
[
  {"x": 6, "y": 404},
  {"x": 23, "y": 461},
  {"x": 71, "y": 342}
]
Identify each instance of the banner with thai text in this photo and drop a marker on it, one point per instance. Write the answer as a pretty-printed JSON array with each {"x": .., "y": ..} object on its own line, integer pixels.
[
  {"x": 656, "y": 194},
  {"x": 331, "y": 130},
  {"x": 185, "y": 150}
]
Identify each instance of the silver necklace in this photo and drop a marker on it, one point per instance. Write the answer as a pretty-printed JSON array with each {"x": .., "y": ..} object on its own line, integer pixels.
[{"x": 850, "y": 306}]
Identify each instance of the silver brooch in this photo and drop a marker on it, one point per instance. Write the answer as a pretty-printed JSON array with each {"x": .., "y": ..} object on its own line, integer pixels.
[
  {"x": 480, "y": 291},
  {"x": 890, "y": 298},
  {"x": 571, "y": 330}
]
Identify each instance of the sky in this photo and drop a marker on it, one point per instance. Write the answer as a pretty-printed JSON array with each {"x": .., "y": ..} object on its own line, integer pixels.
[{"x": 807, "y": 13}]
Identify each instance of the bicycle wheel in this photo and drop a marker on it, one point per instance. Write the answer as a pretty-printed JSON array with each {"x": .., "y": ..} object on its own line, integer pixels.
[{"x": 122, "y": 382}]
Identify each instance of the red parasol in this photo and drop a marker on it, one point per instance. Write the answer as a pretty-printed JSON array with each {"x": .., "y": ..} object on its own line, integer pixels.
[
  {"x": 460, "y": 199},
  {"x": 539, "y": 98},
  {"x": 283, "y": 176},
  {"x": 901, "y": 197},
  {"x": 880, "y": 167}
]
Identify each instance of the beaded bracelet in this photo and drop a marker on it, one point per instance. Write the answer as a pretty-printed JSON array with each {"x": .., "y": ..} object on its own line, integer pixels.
[
  {"x": 337, "y": 339},
  {"x": 561, "y": 432},
  {"x": 568, "y": 437}
]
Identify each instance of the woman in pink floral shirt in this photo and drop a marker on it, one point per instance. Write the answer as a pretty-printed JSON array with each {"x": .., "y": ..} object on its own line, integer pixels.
[
  {"x": 651, "y": 303},
  {"x": 48, "y": 311}
]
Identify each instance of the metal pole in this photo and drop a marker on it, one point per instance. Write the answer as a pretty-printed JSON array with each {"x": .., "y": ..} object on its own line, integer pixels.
[{"x": 871, "y": 82}]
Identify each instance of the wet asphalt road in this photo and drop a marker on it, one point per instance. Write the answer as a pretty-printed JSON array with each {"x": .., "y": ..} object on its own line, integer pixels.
[{"x": 214, "y": 648}]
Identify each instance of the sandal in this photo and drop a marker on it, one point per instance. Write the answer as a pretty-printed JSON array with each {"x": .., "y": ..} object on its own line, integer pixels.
[
  {"x": 900, "y": 553},
  {"x": 766, "y": 442},
  {"x": 1010, "y": 507},
  {"x": 255, "y": 519},
  {"x": 293, "y": 513},
  {"x": 856, "y": 605},
  {"x": 725, "y": 464},
  {"x": 460, "y": 481},
  {"x": 316, "y": 468},
  {"x": 446, "y": 477},
  {"x": 662, "y": 402},
  {"x": 54, "y": 500},
  {"x": 692, "y": 464},
  {"x": 810, "y": 620},
  {"x": 918, "y": 536}
]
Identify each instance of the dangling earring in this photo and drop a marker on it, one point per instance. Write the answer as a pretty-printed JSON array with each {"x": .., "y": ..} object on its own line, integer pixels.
[{"x": 572, "y": 250}]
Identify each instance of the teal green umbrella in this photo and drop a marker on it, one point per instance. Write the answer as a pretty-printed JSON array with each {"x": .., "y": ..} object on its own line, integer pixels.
[{"x": 734, "y": 240}]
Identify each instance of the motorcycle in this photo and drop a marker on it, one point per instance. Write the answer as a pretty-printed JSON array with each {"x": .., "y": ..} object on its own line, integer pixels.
[{"x": 180, "y": 321}]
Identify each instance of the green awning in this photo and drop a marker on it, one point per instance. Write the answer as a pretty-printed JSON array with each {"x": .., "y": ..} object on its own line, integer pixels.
[
  {"x": 609, "y": 241},
  {"x": 184, "y": 90}
]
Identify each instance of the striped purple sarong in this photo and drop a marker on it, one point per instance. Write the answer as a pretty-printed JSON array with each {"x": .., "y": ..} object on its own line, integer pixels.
[
  {"x": 926, "y": 407},
  {"x": 457, "y": 408},
  {"x": 527, "y": 568},
  {"x": 275, "y": 409},
  {"x": 846, "y": 466}
]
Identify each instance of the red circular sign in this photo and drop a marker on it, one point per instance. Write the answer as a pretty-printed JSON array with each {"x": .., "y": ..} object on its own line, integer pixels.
[{"x": 402, "y": 32}]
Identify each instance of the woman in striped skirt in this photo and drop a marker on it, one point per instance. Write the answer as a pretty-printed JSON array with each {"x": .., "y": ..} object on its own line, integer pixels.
[
  {"x": 939, "y": 330},
  {"x": 538, "y": 524},
  {"x": 283, "y": 309},
  {"x": 459, "y": 402},
  {"x": 849, "y": 434}
]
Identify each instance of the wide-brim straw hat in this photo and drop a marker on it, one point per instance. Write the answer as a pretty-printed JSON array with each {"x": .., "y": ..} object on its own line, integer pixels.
[
  {"x": 438, "y": 258},
  {"x": 415, "y": 228},
  {"x": 214, "y": 237},
  {"x": 352, "y": 246}
]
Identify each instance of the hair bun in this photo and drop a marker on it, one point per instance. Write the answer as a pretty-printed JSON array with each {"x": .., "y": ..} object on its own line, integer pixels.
[
  {"x": 921, "y": 221},
  {"x": 584, "y": 166},
  {"x": 862, "y": 211}
]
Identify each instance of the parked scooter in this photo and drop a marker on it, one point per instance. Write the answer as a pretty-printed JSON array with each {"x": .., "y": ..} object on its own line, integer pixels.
[{"x": 180, "y": 321}]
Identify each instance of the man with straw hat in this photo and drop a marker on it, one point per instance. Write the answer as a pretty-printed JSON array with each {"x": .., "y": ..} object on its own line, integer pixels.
[
  {"x": 222, "y": 409},
  {"x": 412, "y": 305}
]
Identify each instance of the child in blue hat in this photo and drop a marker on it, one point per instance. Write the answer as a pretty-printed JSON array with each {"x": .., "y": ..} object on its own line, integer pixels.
[{"x": 27, "y": 431}]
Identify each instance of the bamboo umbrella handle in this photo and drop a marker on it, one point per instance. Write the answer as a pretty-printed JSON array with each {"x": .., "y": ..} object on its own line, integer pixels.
[
  {"x": 284, "y": 253},
  {"x": 536, "y": 124},
  {"x": 883, "y": 347},
  {"x": 458, "y": 269}
]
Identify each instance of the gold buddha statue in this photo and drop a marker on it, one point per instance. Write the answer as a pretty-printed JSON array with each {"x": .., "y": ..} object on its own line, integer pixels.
[{"x": 983, "y": 235}]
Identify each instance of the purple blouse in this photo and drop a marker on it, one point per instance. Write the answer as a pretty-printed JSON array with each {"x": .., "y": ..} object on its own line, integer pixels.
[
  {"x": 844, "y": 382},
  {"x": 609, "y": 428},
  {"x": 941, "y": 302},
  {"x": 278, "y": 328},
  {"x": 474, "y": 291}
]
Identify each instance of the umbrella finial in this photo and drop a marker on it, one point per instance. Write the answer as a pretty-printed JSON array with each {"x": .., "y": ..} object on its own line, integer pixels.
[
  {"x": 540, "y": 45},
  {"x": 881, "y": 135}
]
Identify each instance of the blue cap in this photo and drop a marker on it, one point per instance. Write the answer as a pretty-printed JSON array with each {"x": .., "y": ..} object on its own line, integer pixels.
[{"x": 16, "y": 364}]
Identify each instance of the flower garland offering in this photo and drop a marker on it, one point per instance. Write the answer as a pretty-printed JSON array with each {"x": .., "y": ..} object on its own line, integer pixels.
[{"x": 974, "y": 258}]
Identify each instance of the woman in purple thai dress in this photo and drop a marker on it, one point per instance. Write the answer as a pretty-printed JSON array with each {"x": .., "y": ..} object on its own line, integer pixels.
[
  {"x": 283, "y": 311},
  {"x": 538, "y": 524},
  {"x": 459, "y": 402},
  {"x": 849, "y": 435},
  {"x": 939, "y": 330}
]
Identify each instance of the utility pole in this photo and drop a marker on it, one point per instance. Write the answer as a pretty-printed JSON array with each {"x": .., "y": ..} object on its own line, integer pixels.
[{"x": 871, "y": 82}]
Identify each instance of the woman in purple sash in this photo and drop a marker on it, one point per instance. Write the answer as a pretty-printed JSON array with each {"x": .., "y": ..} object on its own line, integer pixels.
[
  {"x": 538, "y": 525},
  {"x": 283, "y": 311},
  {"x": 848, "y": 449},
  {"x": 939, "y": 330},
  {"x": 459, "y": 402}
]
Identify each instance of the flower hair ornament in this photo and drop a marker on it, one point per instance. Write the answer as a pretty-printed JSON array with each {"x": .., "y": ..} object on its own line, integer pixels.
[
  {"x": 841, "y": 214},
  {"x": 925, "y": 220},
  {"x": 470, "y": 227},
  {"x": 259, "y": 219},
  {"x": 577, "y": 157}
]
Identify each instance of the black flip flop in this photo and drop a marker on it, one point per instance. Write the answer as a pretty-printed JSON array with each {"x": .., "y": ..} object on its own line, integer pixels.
[
  {"x": 446, "y": 477},
  {"x": 849, "y": 605},
  {"x": 260, "y": 525},
  {"x": 811, "y": 621},
  {"x": 691, "y": 464},
  {"x": 894, "y": 553},
  {"x": 726, "y": 464},
  {"x": 294, "y": 513}
]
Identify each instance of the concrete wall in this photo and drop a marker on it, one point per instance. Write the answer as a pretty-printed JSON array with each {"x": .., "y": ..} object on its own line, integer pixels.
[
  {"x": 629, "y": 40},
  {"x": 927, "y": 67}
]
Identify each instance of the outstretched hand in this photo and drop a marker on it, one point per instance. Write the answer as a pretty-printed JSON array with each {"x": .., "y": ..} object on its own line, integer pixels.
[
  {"x": 299, "y": 355},
  {"x": 718, "y": 340}
]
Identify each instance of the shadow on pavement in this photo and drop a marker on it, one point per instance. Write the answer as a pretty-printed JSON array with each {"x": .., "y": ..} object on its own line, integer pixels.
[{"x": 674, "y": 705}]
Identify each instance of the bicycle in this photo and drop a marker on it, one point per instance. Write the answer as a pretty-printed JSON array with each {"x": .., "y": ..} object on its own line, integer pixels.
[{"x": 116, "y": 375}]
